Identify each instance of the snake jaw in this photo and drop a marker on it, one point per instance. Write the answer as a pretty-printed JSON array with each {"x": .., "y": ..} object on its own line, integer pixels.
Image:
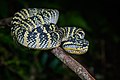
[{"x": 76, "y": 46}]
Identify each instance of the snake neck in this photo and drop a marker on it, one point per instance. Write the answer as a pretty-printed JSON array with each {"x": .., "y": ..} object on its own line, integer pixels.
[{"x": 69, "y": 32}]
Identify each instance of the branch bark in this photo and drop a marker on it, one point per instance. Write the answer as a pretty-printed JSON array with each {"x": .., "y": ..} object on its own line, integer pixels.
[{"x": 60, "y": 54}]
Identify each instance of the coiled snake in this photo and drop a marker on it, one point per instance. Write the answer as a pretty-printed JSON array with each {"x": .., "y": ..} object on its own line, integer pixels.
[{"x": 37, "y": 29}]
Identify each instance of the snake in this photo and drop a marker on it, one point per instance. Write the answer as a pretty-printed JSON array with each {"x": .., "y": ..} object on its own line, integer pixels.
[{"x": 37, "y": 28}]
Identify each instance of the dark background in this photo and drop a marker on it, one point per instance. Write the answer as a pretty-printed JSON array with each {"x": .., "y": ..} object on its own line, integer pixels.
[{"x": 100, "y": 21}]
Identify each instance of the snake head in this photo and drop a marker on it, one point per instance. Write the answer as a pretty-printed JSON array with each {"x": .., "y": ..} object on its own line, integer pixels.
[{"x": 74, "y": 46}]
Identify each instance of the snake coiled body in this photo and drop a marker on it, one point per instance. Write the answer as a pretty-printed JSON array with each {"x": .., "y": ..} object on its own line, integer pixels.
[{"x": 37, "y": 29}]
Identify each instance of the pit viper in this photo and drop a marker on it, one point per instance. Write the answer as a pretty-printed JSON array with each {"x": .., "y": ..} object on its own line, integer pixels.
[{"x": 36, "y": 28}]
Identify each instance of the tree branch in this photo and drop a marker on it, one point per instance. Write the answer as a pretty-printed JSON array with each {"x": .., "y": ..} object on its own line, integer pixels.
[
  {"x": 72, "y": 64},
  {"x": 60, "y": 54},
  {"x": 5, "y": 21}
]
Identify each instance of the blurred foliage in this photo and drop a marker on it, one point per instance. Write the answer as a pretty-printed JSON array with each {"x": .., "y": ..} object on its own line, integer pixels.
[{"x": 20, "y": 63}]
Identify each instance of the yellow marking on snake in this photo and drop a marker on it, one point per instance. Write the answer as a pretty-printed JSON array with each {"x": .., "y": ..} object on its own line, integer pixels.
[
  {"x": 15, "y": 22},
  {"x": 29, "y": 26},
  {"x": 40, "y": 17},
  {"x": 44, "y": 30},
  {"x": 70, "y": 48},
  {"x": 17, "y": 30},
  {"x": 51, "y": 27},
  {"x": 73, "y": 31},
  {"x": 54, "y": 28},
  {"x": 68, "y": 43},
  {"x": 68, "y": 33},
  {"x": 49, "y": 40},
  {"x": 20, "y": 15},
  {"x": 78, "y": 30},
  {"x": 32, "y": 23},
  {"x": 26, "y": 38},
  {"x": 64, "y": 34},
  {"x": 26, "y": 11},
  {"x": 23, "y": 26},
  {"x": 48, "y": 13},
  {"x": 37, "y": 41},
  {"x": 64, "y": 31},
  {"x": 17, "y": 18}
]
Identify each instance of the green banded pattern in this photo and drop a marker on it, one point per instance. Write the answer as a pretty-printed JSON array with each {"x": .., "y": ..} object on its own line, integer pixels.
[{"x": 37, "y": 29}]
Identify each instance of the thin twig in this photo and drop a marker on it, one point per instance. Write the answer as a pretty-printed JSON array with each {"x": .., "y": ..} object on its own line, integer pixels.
[
  {"x": 5, "y": 21},
  {"x": 60, "y": 54}
]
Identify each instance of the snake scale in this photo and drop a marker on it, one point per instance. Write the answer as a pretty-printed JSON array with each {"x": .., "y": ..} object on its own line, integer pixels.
[{"x": 36, "y": 28}]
